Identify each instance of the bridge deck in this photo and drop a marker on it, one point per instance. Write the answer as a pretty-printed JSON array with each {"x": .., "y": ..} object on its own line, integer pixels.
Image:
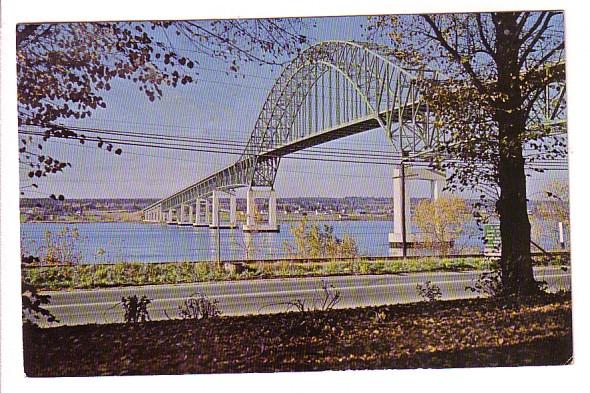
[{"x": 330, "y": 134}]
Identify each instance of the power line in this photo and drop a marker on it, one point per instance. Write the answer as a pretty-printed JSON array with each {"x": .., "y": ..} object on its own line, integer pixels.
[
  {"x": 213, "y": 145},
  {"x": 233, "y": 131},
  {"x": 359, "y": 146},
  {"x": 337, "y": 174},
  {"x": 221, "y": 147},
  {"x": 341, "y": 158}
]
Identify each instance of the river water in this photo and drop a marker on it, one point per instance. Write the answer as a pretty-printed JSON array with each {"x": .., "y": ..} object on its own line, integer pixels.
[{"x": 139, "y": 242}]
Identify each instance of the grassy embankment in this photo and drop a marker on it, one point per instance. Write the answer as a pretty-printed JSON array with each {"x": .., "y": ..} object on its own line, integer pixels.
[{"x": 129, "y": 274}]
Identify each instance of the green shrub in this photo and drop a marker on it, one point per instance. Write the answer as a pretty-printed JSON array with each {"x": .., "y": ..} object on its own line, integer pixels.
[
  {"x": 316, "y": 241},
  {"x": 333, "y": 267}
]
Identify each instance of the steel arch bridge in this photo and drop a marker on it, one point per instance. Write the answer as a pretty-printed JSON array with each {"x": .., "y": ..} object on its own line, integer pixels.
[{"x": 334, "y": 89}]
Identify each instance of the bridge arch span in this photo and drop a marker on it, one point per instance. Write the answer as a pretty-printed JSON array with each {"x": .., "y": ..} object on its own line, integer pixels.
[{"x": 331, "y": 90}]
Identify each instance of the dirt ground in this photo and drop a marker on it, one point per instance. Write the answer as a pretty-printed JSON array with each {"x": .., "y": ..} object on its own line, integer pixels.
[{"x": 461, "y": 333}]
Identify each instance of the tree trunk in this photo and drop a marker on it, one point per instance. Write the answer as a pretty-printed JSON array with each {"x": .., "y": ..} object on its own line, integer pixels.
[{"x": 515, "y": 228}]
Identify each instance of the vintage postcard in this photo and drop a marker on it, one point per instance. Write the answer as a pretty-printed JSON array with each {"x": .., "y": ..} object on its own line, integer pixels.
[{"x": 257, "y": 195}]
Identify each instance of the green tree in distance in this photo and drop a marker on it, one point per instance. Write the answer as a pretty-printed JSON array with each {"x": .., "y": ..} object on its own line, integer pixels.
[
  {"x": 494, "y": 67},
  {"x": 441, "y": 222},
  {"x": 315, "y": 241}
]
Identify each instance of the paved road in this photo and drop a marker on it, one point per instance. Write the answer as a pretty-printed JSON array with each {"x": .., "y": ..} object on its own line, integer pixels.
[{"x": 269, "y": 296}]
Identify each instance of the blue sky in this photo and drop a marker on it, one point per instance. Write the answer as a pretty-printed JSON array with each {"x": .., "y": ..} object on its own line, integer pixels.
[{"x": 216, "y": 106}]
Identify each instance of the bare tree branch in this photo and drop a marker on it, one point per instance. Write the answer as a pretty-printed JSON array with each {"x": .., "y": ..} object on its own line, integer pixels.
[
  {"x": 453, "y": 52},
  {"x": 536, "y": 39},
  {"x": 483, "y": 37}
]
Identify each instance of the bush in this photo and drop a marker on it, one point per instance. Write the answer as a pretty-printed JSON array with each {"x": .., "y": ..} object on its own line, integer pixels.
[
  {"x": 363, "y": 267},
  {"x": 315, "y": 241},
  {"x": 135, "y": 309},
  {"x": 326, "y": 300},
  {"x": 198, "y": 306},
  {"x": 441, "y": 222},
  {"x": 330, "y": 297},
  {"x": 62, "y": 247},
  {"x": 429, "y": 291},
  {"x": 333, "y": 267},
  {"x": 488, "y": 283}
]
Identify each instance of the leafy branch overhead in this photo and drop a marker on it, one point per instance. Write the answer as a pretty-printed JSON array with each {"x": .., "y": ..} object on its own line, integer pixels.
[{"x": 64, "y": 70}]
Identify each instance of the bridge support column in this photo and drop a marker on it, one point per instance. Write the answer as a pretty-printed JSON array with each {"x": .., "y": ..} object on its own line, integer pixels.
[
  {"x": 233, "y": 220},
  {"x": 191, "y": 214},
  {"x": 201, "y": 216},
  {"x": 216, "y": 208},
  {"x": 198, "y": 217},
  {"x": 402, "y": 217},
  {"x": 207, "y": 211},
  {"x": 182, "y": 216},
  {"x": 170, "y": 216},
  {"x": 252, "y": 215},
  {"x": 436, "y": 187},
  {"x": 179, "y": 215}
]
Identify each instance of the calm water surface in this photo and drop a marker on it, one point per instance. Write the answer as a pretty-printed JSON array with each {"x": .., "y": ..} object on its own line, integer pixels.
[{"x": 138, "y": 242}]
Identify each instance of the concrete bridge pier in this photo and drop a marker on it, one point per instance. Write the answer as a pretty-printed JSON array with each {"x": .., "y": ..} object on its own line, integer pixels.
[
  {"x": 191, "y": 214},
  {"x": 201, "y": 218},
  {"x": 170, "y": 217},
  {"x": 216, "y": 197},
  {"x": 233, "y": 214},
  {"x": 253, "y": 216},
  {"x": 402, "y": 216},
  {"x": 214, "y": 210},
  {"x": 184, "y": 216}
]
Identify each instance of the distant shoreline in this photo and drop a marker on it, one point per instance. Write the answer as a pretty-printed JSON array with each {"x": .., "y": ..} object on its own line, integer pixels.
[
  {"x": 75, "y": 222},
  {"x": 310, "y": 218}
]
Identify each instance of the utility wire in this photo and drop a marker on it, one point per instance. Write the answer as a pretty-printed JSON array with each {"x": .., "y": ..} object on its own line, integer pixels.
[
  {"x": 224, "y": 141},
  {"x": 213, "y": 145},
  {"x": 342, "y": 158}
]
